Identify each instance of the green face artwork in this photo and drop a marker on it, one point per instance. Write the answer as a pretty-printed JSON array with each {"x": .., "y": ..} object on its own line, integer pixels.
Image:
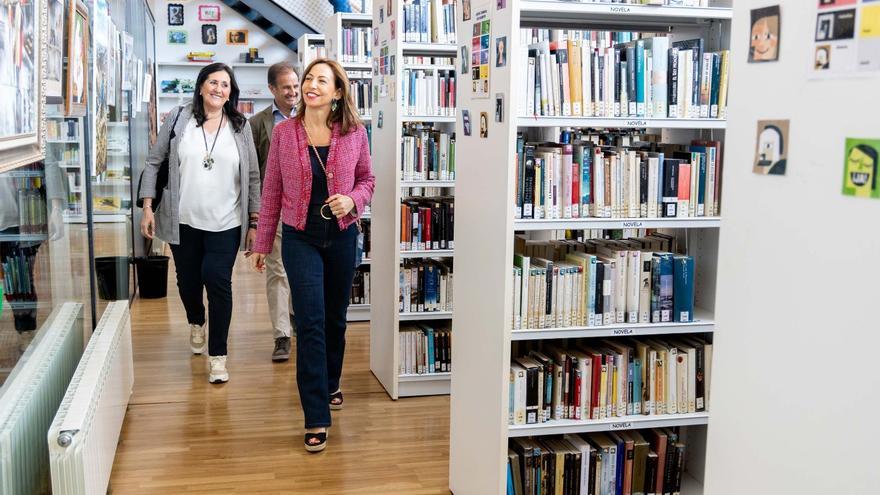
[{"x": 860, "y": 172}]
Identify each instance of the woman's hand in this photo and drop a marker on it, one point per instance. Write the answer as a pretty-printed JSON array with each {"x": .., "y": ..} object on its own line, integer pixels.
[
  {"x": 340, "y": 205},
  {"x": 249, "y": 241},
  {"x": 148, "y": 222},
  {"x": 259, "y": 262}
]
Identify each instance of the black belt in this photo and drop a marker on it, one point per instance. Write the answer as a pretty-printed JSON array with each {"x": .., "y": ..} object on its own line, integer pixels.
[{"x": 322, "y": 211}]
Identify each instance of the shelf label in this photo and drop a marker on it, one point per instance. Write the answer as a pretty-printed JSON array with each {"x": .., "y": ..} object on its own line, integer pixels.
[
  {"x": 621, "y": 426},
  {"x": 632, "y": 225},
  {"x": 636, "y": 123},
  {"x": 619, "y": 10},
  {"x": 623, "y": 331}
]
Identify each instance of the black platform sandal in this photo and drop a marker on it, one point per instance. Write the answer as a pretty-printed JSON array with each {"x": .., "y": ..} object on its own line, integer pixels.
[
  {"x": 336, "y": 400},
  {"x": 318, "y": 446}
]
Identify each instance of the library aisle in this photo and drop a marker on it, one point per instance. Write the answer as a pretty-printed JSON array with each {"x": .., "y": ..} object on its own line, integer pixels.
[{"x": 183, "y": 435}]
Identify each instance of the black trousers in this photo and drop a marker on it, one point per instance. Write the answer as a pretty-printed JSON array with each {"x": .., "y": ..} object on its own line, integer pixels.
[{"x": 204, "y": 261}]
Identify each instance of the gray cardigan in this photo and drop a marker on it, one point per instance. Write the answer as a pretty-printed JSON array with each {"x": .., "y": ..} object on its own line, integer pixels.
[{"x": 168, "y": 212}]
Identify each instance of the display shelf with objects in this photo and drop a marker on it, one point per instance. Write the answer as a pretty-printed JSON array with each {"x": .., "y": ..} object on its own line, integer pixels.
[
  {"x": 64, "y": 149},
  {"x": 574, "y": 261},
  {"x": 348, "y": 40},
  {"x": 413, "y": 113}
]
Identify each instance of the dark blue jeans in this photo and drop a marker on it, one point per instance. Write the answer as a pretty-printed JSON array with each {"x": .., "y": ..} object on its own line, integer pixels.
[
  {"x": 319, "y": 262},
  {"x": 204, "y": 261}
]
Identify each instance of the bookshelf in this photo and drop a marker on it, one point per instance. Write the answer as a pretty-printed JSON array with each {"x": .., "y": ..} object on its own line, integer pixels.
[
  {"x": 64, "y": 148},
  {"x": 308, "y": 48},
  {"x": 386, "y": 269},
  {"x": 485, "y": 340}
]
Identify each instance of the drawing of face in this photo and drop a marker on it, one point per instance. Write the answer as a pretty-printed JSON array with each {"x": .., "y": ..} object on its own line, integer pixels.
[
  {"x": 821, "y": 57},
  {"x": 765, "y": 38},
  {"x": 768, "y": 148},
  {"x": 861, "y": 165}
]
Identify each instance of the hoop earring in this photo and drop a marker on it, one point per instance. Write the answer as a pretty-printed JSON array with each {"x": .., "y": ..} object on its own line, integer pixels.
[{"x": 333, "y": 106}]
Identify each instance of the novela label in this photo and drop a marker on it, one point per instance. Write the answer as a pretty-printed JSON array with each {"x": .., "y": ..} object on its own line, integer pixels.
[
  {"x": 637, "y": 123},
  {"x": 623, "y": 331},
  {"x": 620, "y": 10},
  {"x": 632, "y": 225},
  {"x": 621, "y": 426}
]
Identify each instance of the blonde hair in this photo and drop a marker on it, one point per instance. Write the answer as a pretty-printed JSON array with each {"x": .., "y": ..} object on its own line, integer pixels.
[{"x": 346, "y": 112}]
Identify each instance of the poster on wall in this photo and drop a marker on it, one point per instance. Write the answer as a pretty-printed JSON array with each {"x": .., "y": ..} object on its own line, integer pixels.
[
  {"x": 76, "y": 87},
  {"x": 20, "y": 47},
  {"x": 771, "y": 152},
  {"x": 101, "y": 82},
  {"x": 860, "y": 168},
  {"x": 846, "y": 41},
  {"x": 764, "y": 39},
  {"x": 55, "y": 52},
  {"x": 480, "y": 52}
]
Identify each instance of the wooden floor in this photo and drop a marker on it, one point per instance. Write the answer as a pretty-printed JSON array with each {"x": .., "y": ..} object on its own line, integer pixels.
[{"x": 184, "y": 435}]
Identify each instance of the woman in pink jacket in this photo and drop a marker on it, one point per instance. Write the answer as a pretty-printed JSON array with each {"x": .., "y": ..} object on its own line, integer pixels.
[{"x": 318, "y": 180}]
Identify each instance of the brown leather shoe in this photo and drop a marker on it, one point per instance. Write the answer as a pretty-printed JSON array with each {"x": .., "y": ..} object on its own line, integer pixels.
[{"x": 282, "y": 349}]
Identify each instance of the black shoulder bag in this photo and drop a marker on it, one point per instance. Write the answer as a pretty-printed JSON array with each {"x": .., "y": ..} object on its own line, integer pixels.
[{"x": 162, "y": 176}]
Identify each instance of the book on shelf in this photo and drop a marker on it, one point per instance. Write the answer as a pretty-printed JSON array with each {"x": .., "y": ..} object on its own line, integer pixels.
[
  {"x": 427, "y": 224},
  {"x": 64, "y": 130},
  {"x": 425, "y": 348},
  {"x": 429, "y": 92},
  {"x": 427, "y": 60},
  {"x": 29, "y": 201},
  {"x": 425, "y": 286},
  {"x": 594, "y": 74},
  {"x": 428, "y": 21},
  {"x": 600, "y": 282},
  {"x": 581, "y": 178},
  {"x": 355, "y": 45},
  {"x": 360, "y": 287},
  {"x": 361, "y": 91},
  {"x": 649, "y": 461},
  {"x": 427, "y": 153},
  {"x": 609, "y": 378}
]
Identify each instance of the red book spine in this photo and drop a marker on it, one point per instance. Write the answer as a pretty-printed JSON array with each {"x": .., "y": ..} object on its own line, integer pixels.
[
  {"x": 426, "y": 221},
  {"x": 578, "y": 400},
  {"x": 594, "y": 391}
]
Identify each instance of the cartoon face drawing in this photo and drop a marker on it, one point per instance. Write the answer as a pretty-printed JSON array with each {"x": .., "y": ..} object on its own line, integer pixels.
[
  {"x": 769, "y": 147},
  {"x": 861, "y": 166},
  {"x": 765, "y": 38}
]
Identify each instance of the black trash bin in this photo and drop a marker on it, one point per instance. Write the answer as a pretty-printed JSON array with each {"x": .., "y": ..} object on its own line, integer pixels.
[
  {"x": 112, "y": 274},
  {"x": 152, "y": 274}
]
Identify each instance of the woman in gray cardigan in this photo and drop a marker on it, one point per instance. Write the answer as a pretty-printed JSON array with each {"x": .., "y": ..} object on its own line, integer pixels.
[{"x": 209, "y": 207}]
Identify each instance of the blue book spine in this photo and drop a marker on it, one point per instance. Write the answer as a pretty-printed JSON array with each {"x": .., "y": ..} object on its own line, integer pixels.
[
  {"x": 586, "y": 164},
  {"x": 666, "y": 287},
  {"x": 637, "y": 386},
  {"x": 430, "y": 357},
  {"x": 621, "y": 465},
  {"x": 640, "y": 78},
  {"x": 683, "y": 290},
  {"x": 655, "y": 289},
  {"x": 510, "y": 490},
  {"x": 630, "y": 386},
  {"x": 701, "y": 186}
]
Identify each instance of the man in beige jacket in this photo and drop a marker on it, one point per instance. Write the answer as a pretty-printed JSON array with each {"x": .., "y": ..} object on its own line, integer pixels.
[{"x": 284, "y": 85}]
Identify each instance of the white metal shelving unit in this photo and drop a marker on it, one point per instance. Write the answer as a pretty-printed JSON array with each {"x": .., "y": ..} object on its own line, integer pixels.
[
  {"x": 485, "y": 228},
  {"x": 306, "y": 47},
  {"x": 74, "y": 211},
  {"x": 385, "y": 271}
]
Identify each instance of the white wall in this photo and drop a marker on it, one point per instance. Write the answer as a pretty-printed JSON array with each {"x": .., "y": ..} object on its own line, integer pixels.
[{"x": 795, "y": 390}]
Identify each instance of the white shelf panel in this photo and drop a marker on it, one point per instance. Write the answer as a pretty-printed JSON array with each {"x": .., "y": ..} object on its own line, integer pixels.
[
  {"x": 427, "y": 183},
  {"x": 182, "y": 64},
  {"x": 366, "y": 261},
  {"x": 703, "y": 323},
  {"x": 428, "y": 118},
  {"x": 62, "y": 141},
  {"x": 366, "y": 118},
  {"x": 176, "y": 96},
  {"x": 619, "y": 223},
  {"x": 439, "y": 49},
  {"x": 428, "y": 67},
  {"x": 421, "y": 385},
  {"x": 428, "y": 253},
  {"x": 356, "y": 18},
  {"x": 425, "y": 377},
  {"x": 430, "y": 315},
  {"x": 620, "y": 122},
  {"x": 356, "y": 66},
  {"x": 262, "y": 65},
  {"x": 23, "y": 237},
  {"x": 359, "y": 312},
  {"x": 558, "y": 427},
  {"x": 554, "y": 11}
]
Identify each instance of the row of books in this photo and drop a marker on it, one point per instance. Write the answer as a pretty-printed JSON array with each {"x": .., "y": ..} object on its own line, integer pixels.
[
  {"x": 425, "y": 349},
  {"x": 18, "y": 268},
  {"x": 65, "y": 154},
  {"x": 366, "y": 229},
  {"x": 428, "y": 92},
  {"x": 361, "y": 91},
  {"x": 428, "y": 21},
  {"x": 355, "y": 44},
  {"x": 648, "y": 462},
  {"x": 32, "y": 215},
  {"x": 62, "y": 129},
  {"x": 579, "y": 179},
  {"x": 427, "y": 224},
  {"x": 677, "y": 3},
  {"x": 425, "y": 286},
  {"x": 427, "y": 60},
  {"x": 360, "y": 287},
  {"x": 559, "y": 284},
  {"x": 654, "y": 77},
  {"x": 611, "y": 378},
  {"x": 427, "y": 153}
]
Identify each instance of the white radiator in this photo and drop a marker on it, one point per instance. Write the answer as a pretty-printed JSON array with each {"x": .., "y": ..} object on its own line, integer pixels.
[
  {"x": 83, "y": 436},
  {"x": 31, "y": 396}
]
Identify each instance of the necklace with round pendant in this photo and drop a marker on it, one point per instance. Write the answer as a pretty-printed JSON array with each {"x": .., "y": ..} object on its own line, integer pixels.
[{"x": 208, "y": 161}]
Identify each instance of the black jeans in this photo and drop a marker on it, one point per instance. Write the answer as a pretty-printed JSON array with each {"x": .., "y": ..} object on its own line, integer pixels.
[
  {"x": 319, "y": 262},
  {"x": 204, "y": 260}
]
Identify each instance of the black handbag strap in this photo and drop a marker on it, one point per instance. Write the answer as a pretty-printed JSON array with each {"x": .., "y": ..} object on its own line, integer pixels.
[{"x": 173, "y": 134}]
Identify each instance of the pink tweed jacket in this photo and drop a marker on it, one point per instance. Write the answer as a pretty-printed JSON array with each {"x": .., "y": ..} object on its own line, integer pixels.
[{"x": 287, "y": 185}]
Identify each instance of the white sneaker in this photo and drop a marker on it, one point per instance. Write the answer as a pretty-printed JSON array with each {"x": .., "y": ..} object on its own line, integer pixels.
[
  {"x": 218, "y": 369},
  {"x": 197, "y": 339}
]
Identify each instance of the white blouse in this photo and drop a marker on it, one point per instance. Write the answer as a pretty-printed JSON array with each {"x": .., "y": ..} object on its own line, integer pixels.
[{"x": 210, "y": 199}]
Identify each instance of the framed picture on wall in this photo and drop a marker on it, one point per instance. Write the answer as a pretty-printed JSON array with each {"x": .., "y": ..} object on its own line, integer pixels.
[
  {"x": 177, "y": 37},
  {"x": 76, "y": 87},
  {"x": 236, "y": 36},
  {"x": 175, "y": 14},
  {"x": 209, "y": 34},
  {"x": 209, "y": 13},
  {"x": 21, "y": 122},
  {"x": 55, "y": 52}
]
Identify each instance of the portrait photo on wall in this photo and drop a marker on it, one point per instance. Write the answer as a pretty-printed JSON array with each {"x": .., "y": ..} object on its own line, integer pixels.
[
  {"x": 236, "y": 36},
  {"x": 771, "y": 150},
  {"x": 175, "y": 14},
  {"x": 765, "y": 37},
  {"x": 209, "y": 34},
  {"x": 209, "y": 13},
  {"x": 838, "y": 25},
  {"x": 822, "y": 60},
  {"x": 860, "y": 168}
]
